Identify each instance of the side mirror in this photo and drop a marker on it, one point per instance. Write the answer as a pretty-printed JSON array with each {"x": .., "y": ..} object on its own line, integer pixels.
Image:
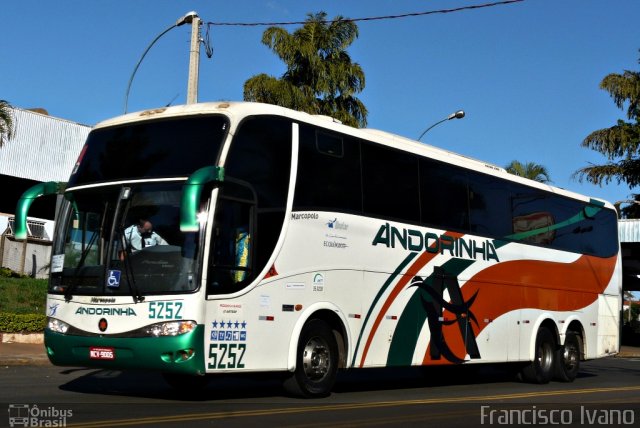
[
  {"x": 191, "y": 192},
  {"x": 27, "y": 198}
]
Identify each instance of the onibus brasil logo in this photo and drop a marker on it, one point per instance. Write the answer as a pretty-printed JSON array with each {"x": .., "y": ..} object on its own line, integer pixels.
[{"x": 28, "y": 415}]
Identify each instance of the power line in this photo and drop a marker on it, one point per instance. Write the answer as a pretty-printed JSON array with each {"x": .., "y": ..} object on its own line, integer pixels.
[{"x": 371, "y": 18}]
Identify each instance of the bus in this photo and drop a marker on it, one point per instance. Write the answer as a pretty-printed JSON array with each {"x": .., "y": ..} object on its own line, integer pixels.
[{"x": 303, "y": 246}]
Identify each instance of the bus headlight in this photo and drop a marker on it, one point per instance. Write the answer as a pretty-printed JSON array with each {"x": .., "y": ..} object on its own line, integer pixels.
[
  {"x": 172, "y": 328},
  {"x": 57, "y": 326}
]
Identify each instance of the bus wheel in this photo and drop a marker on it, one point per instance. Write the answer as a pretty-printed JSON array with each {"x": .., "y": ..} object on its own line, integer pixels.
[
  {"x": 316, "y": 361},
  {"x": 186, "y": 383},
  {"x": 541, "y": 369},
  {"x": 568, "y": 358}
]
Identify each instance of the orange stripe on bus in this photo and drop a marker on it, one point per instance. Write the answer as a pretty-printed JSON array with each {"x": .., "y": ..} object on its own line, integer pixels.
[{"x": 523, "y": 284}]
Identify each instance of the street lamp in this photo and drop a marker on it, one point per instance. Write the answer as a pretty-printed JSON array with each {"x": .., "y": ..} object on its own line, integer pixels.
[
  {"x": 190, "y": 18},
  {"x": 457, "y": 115}
]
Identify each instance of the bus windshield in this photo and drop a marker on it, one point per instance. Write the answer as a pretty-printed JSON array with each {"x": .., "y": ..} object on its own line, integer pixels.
[
  {"x": 170, "y": 147},
  {"x": 124, "y": 240}
]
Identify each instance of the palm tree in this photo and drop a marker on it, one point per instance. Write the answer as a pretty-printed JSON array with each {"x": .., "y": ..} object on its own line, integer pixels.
[
  {"x": 320, "y": 76},
  {"x": 6, "y": 121},
  {"x": 530, "y": 170},
  {"x": 621, "y": 142}
]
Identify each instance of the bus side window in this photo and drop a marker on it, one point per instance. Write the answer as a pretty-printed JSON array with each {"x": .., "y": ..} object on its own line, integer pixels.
[{"x": 232, "y": 259}]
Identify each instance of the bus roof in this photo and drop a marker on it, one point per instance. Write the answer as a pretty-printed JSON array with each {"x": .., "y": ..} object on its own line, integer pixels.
[{"x": 240, "y": 109}]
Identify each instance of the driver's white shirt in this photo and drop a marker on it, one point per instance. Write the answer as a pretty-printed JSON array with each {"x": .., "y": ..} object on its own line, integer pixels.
[{"x": 134, "y": 239}]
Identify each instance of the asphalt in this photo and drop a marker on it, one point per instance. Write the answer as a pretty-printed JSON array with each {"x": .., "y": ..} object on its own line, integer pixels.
[{"x": 20, "y": 354}]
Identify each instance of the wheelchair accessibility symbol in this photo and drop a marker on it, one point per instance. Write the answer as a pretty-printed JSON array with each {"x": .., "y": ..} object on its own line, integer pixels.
[{"x": 113, "y": 280}]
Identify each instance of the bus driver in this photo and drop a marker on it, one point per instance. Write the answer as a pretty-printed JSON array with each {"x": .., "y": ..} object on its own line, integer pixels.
[{"x": 141, "y": 235}]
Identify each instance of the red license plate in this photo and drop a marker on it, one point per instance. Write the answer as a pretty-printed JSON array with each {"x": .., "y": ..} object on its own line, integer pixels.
[{"x": 102, "y": 353}]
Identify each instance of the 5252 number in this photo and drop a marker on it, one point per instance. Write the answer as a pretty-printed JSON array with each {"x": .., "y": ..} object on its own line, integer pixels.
[
  {"x": 165, "y": 310},
  {"x": 226, "y": 355}
]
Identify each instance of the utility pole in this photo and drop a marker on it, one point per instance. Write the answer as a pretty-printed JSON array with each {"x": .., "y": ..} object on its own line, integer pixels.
[{"x": 194, "y": 58}]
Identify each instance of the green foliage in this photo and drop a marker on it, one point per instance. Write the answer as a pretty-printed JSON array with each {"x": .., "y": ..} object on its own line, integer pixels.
[
  {"x": 22, "y": 323},
  {"x": 632, "y": 313},
  {"x": 621, "y": 142},
  {"x": 6, "y": 121},
  {"x": 530, "y": 170},
  {"x": 8, "y": 273},
  {"x": 23, "y": 295},
  {"x": 320, "y": 77}
]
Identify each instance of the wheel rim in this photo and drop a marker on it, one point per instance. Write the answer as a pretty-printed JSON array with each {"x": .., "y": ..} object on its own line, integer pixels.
[
  {"x": 316, "y": 359},
  {"x": 545, "y": 357},
  {"x": 570, "y": 357}
]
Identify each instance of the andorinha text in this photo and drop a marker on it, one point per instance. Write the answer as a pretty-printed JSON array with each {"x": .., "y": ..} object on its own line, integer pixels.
[
  {"x": 82, "y": 310},
  {"x": 414, "y": 240}
]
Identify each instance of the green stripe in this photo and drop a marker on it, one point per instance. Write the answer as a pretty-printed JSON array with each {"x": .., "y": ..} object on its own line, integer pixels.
[
  {"x": 405, "y": 337},
  {"x": 381, "y": 292}
]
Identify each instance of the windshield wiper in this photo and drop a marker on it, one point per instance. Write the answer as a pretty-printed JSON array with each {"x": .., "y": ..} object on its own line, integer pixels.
[
  {"x": 128, "y": 267},
  {"x": 83, "y": 257}
]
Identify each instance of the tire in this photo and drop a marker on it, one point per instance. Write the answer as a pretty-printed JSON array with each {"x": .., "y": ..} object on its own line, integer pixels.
[
  {"x": 568, "y": 358},
  {"x": 542, "y": 368},
  {"x": 186, "y": 383},
  {"x": 316, "y": 362}
]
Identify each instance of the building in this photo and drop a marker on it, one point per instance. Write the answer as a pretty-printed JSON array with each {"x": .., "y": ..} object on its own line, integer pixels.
[
  {"x": 42, "y": 148},
  {"x": 629, "y": 235}
]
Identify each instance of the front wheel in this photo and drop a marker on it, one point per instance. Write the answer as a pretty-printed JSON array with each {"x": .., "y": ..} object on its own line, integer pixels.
[
  {"x": 568, "y": 358},
  {"x": 316, "y": 361},
  {"x": 541, "y": 369}
]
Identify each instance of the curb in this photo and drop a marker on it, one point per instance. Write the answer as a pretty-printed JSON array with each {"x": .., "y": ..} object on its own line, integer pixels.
[{"x": 33, "y": 338}]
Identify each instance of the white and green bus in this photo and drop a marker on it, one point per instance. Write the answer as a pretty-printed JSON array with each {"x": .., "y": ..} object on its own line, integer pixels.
[{"x": 299, "y": 245}]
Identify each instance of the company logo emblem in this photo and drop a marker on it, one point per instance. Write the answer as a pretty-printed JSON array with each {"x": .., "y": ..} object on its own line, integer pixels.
[
  {"x": 102, "y": 324},
  {"x": 318, "y": 282},
  {"x": 335, "y": 224},
  {"x": 53, "y": 309}
]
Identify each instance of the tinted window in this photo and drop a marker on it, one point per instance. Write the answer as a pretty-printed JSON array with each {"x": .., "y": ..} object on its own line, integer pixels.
[
  {"x": 547, "y": 219},
  {"x": 157, "y": 148},
  {"x": 390, "y": 183},
  {"x": 260, "y": 157},
  {"x": 489, "y": 206},
  {"x": 328, "y": 172},
  {"x": 443, "y": 195}
]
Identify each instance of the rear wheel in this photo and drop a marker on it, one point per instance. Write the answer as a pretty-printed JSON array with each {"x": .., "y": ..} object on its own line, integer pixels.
[
  {"x": 541, "y": 369},
  {"x": 568, "y": 358},
  {"x": 316, "y": 361}
]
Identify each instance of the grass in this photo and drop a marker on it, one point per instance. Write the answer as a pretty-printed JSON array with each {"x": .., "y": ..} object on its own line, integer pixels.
[{"x": 23, "y": 295}]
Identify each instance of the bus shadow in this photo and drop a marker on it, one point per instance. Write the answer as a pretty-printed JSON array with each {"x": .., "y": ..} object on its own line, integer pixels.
[
  {"x": 152, "y": 385},
  {"x": 269, "y": 385}
]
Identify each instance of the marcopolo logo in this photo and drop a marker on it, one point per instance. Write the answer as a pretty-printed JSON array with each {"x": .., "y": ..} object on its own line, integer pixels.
[
  {"x": 27, "y": 415},
  {"x": 414, "y": 240}
]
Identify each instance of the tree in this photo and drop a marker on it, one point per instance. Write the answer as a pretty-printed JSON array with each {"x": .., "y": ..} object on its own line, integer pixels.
[
  {"x": 320, "y": 76},
  {"x": 530, "y": 170},
  {"x": 6, "y": 121},
  {"x": 621, "y": 142}
]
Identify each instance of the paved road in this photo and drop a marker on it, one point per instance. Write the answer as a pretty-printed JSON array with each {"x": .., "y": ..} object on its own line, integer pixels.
[{"x": 606, "y": 390}]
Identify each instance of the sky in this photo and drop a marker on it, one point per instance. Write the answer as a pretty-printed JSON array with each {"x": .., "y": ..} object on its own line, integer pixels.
[{"x": 527, "y": 74}]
